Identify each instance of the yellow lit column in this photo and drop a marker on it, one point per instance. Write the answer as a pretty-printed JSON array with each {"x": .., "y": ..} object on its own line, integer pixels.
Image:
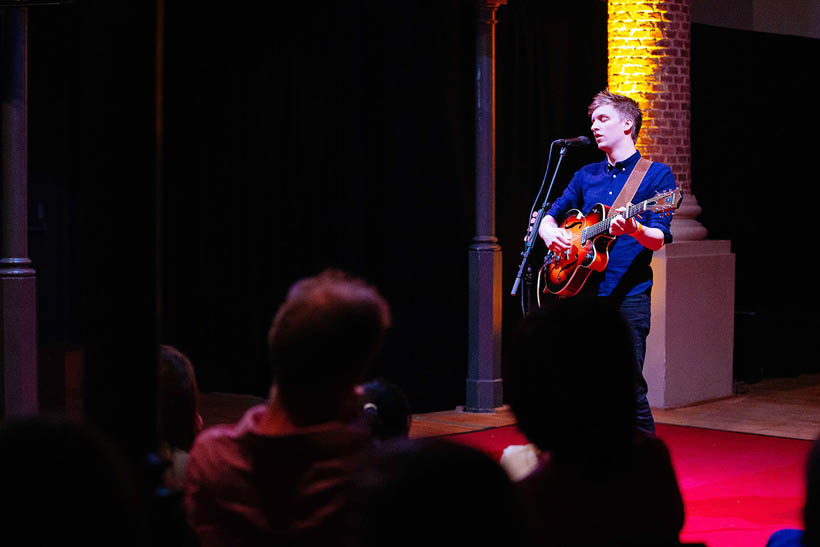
[{"x": 648, "y": 43}]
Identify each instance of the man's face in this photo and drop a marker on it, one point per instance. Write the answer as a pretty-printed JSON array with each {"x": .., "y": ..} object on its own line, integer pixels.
[{"x": 609, "y": 128}]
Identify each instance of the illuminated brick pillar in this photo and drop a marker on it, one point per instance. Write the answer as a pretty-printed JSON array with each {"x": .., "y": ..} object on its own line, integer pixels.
[{"x": 648, "y": 42}]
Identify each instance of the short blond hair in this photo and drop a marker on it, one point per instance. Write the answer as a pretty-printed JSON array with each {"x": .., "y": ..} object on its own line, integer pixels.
[{"x": 626, "y": 107}]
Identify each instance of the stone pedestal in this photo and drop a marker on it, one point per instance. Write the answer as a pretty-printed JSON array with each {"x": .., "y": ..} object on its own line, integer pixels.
[{"x": 689, "y": 352}]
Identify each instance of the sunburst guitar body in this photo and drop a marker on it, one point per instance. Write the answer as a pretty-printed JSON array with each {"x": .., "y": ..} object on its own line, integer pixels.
[{"x": 564, "y": 274}]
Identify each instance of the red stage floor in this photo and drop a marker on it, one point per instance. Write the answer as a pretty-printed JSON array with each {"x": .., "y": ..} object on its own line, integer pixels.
[{"x": 737, "y": 488}]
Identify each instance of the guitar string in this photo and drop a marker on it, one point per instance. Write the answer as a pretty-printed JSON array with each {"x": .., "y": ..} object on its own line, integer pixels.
[{"x": 598, "y": 227}]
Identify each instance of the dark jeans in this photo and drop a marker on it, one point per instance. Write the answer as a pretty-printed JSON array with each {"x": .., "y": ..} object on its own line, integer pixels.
[{"x": 637, "y": 312}]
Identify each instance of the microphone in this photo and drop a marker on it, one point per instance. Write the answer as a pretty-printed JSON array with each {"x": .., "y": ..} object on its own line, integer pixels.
[{"x": 578, "y": 142}]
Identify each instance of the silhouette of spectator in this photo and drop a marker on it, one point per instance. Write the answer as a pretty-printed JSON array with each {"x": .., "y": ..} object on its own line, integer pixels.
[
  {"x": 279, "y": 476},
  {"x": 62, "y": 482},
  {"x": 437, "y": 492},
  {"x": 811, "y": 511},
  {"x": 570, "y": 383},
  {"x": 386, "y": 410},
  {"x": 809, "y": 536},
  {"x": 179, "y": 420}
]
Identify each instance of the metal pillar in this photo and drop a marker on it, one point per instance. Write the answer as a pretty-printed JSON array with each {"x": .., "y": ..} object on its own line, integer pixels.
[
  {"x": 484, "y": 388},
  {"x": 18, "y": 346}
]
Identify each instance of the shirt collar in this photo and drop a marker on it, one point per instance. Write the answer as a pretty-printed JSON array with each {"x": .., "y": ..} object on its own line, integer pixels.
[{"x": 623, "y": 165}]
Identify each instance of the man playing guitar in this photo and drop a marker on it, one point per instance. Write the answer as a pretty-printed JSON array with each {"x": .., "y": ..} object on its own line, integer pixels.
[{"x": 627, "y": 278}]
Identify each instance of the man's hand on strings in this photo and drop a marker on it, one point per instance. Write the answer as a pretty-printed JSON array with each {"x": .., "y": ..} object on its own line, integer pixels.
[
  {"x": 620, "y": 226},
  {"x": 557, "y": 239}
]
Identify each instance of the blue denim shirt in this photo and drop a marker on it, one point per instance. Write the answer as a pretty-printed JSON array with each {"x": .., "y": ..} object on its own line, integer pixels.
[{"x": 628, "y": 272}]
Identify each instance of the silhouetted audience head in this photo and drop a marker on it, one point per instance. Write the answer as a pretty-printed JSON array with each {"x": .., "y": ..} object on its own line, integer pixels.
[
  {"x": 570, "y": 377},
  {"x": 178, "y": 399},
  {"x": 811, "y": 511},
  {"x": 322, "y": 341},
  {"x": 61, "y": 482},
  {"x": 809, "y": 535},
  {"x": 386, "y": 410},
  {"x": 438, "y": 492}
]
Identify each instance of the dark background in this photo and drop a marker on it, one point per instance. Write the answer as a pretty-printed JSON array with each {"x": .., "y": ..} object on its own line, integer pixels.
[
  {"x": 314, "y": 135},
  {"x": 753, "y": 171}
]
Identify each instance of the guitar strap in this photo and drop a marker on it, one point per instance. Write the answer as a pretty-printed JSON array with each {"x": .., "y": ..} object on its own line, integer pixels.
[{"x": 632, "y": 184}]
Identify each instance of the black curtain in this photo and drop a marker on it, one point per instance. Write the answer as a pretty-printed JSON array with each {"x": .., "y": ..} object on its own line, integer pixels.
[
  {"x": 93, "y": 210},
  {"x": 343, "y": 137},
  {"x": 752, "y": 172},
  {"x": 296, "y": 137},
  {"x": 311, "y": 136}
]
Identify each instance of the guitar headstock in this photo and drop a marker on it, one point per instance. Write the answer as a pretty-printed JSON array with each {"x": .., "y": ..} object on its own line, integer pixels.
[{"x": 665, "y": 202}]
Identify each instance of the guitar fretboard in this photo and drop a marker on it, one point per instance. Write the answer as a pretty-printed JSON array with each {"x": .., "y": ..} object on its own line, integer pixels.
[{"x": 603, "y": 226}]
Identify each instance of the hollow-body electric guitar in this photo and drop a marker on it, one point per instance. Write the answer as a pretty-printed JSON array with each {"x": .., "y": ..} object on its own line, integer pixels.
[{"x": 564, "y": 274}]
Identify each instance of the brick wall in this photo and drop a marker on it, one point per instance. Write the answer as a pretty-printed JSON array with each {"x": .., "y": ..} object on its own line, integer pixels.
[{"x": 649, "y": 61}]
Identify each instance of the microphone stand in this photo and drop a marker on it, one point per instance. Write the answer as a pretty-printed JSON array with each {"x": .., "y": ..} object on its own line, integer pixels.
[{"x": 530, "y": 240}]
